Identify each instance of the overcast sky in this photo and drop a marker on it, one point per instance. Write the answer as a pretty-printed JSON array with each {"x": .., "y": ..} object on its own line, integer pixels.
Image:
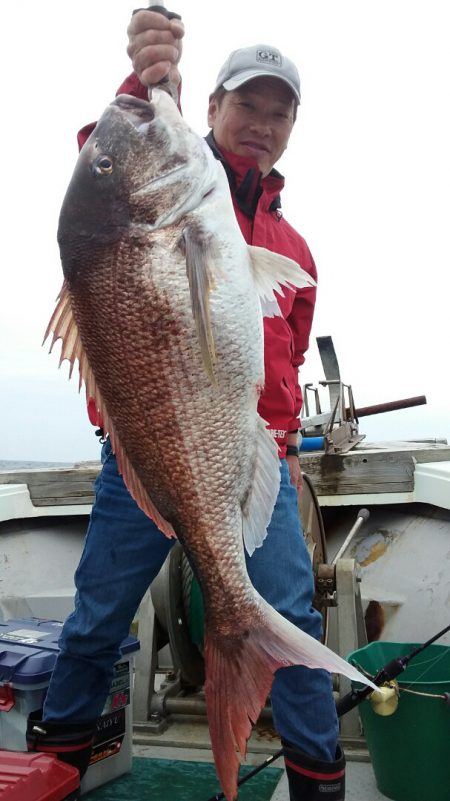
[{"x": 368, "y": 183}]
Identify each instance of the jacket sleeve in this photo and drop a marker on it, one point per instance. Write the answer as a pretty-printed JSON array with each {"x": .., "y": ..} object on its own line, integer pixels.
[{"x": 300, "y": 321}]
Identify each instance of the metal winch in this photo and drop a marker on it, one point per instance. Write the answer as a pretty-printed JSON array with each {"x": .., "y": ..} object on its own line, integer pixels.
[{"x": 338, "y": 427}]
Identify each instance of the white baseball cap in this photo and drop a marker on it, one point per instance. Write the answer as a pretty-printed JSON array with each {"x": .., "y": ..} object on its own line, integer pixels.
[{"x": 254, "y": 62}]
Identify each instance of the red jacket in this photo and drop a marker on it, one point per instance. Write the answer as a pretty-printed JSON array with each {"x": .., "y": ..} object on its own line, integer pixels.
[{"x": 286, "y": 338}]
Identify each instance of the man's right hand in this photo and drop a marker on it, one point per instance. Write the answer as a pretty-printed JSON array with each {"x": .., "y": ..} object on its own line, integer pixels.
[{"x": 154, "y": 46}]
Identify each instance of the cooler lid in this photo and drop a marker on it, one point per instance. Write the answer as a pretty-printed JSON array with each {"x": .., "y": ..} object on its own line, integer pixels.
[
  {"x": 35, "y": 777},
  {"x": 29, "y": 647}
]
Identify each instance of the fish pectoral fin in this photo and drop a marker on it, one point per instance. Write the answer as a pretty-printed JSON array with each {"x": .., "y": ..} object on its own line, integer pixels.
[
  {"x": 202, "y": 269},
  {"x": 239, "y": 673},
  {"x": 259, "y": 503},
  {"x": 271, "y": 272},
  {"x": 63, "y": 326}
]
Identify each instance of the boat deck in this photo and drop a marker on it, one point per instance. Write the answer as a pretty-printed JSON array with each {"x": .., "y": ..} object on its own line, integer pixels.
[
  {"x": 187, "y": 738},
  {"x": 360, "y": 779},
  {"x": 379, "y": 476}
]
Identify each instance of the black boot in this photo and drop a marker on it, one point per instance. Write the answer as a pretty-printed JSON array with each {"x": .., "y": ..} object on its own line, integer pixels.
[
  {"x": 314, "y": 779},
  {"x": 70, "y": 742}
]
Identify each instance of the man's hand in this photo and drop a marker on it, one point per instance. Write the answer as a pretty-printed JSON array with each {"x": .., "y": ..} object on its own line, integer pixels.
[
  {"x": 295, "y": 472},
  {"x": 154, "y": 46},
  {"x": 293, "y": 462}
]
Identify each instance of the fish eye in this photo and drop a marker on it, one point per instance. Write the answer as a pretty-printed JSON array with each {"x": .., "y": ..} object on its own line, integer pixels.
[{"x": 103, "y": 165}]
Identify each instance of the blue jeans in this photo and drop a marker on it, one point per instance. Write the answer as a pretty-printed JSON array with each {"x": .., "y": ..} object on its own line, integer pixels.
[{"x": 123, "y": 553}]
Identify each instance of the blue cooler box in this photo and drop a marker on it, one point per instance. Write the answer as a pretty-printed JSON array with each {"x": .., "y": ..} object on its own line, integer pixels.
[{"x": 28, "y": 650}]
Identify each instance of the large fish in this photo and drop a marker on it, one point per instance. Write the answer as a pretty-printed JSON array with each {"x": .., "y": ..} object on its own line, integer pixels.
[{"x": 161, "y": 306}]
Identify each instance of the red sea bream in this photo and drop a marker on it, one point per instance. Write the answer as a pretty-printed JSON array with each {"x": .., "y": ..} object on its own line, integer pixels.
[{"x": 162, "y": 307}]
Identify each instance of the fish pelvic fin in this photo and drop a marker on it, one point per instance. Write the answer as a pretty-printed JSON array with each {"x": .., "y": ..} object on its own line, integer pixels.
[
  {"x": 239, "y": 674},
  {"x": 271, "y": 272},
  {"x": 258, "y": 506},
  {"x": 202, "y": 262},
  {"x": 63, "y": 326}
]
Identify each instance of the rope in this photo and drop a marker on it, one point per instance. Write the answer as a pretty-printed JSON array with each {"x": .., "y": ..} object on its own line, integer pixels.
[{"x": 426, "y": 695}]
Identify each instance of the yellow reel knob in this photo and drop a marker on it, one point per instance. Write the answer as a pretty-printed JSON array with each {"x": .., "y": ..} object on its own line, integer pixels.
[{"x": 384, "y": 701}]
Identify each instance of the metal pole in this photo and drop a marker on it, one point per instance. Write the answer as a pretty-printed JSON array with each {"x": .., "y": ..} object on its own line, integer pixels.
[
  {"x": 391, "y": 406},
  {"x": 363, "y": 515}
]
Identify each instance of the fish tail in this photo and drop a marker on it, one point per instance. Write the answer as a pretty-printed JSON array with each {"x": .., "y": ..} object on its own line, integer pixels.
[{"x": 239, "y": 671}]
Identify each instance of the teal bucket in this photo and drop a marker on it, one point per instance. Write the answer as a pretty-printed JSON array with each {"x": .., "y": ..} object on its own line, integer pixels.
[{"x": 410, "y": 749}]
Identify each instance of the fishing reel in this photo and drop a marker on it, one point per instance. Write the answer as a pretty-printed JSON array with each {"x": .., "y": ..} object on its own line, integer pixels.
[{"x": 384, "y": 701}]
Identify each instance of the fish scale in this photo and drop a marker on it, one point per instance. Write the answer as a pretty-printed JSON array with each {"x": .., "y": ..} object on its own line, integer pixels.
[{"x": 162, "y": 307}]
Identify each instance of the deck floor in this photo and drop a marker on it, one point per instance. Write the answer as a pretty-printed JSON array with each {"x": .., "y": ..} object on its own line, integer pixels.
[{"x": 360, "y": 780}]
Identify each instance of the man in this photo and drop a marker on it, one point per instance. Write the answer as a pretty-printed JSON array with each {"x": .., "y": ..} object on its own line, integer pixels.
[{"x": 251, "y": 113}]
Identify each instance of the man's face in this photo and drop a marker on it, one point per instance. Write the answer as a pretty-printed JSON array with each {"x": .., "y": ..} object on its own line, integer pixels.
[{"x": 255, "y": 120}]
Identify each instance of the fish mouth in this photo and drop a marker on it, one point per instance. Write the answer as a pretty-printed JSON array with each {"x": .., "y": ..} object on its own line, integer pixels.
[{"x": 142, "y": 111}]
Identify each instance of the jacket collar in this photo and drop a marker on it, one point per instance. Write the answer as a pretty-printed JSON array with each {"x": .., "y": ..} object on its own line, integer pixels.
[{"x": 245, "y": 179}]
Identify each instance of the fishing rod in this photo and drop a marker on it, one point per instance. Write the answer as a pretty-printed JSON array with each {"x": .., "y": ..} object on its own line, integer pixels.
[{"x": 388, "y": 672}]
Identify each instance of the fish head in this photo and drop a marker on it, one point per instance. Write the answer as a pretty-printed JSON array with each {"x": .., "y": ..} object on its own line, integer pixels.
[{"x": 142, "y": 169}]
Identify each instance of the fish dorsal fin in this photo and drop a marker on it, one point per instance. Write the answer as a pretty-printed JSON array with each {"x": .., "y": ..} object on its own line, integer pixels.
[
  {"x": 202, "y": 265},
  {"x": 63, "y": 326},
  {"x": 271, "y": 272},
  {"x": 258, "y": 506}
]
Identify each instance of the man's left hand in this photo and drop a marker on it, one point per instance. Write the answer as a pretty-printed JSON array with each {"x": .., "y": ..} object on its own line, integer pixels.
[{"x": 295, "y": 472}]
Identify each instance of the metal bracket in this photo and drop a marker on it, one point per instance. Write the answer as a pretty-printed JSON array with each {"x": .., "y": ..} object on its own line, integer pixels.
[
  {"x": 351, "y": 632},
  {"x": 339, "y": 426}
]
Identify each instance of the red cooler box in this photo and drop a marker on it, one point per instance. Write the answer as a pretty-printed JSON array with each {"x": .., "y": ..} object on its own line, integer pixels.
[
  {"x": 28, "y": 650},
  {"x": 36, "y": 777}
]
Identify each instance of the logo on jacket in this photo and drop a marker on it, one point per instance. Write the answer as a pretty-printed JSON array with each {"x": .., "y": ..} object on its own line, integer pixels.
[{"x": 277, "y": 432}]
